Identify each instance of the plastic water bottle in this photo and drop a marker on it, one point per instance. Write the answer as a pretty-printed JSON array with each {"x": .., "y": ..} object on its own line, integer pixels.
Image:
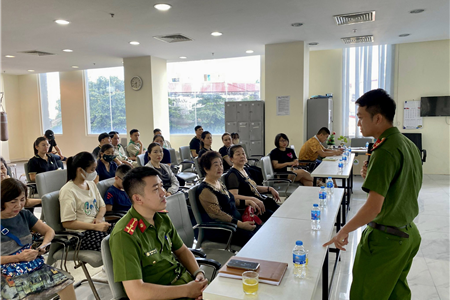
[
  {"x": 330, "y": 187},
  {"x": 322, "y": 197},
  {"x": 344, "y": 159},
  {"x": 367, "y": 144},
  {"x": 299, "y": 259},
  {"x": 340, "y": 165},
  {"x": 315, "y": 217}
]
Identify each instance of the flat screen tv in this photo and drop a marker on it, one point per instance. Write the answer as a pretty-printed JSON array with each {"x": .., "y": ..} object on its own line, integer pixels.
[{"x": 435, "y": 106}]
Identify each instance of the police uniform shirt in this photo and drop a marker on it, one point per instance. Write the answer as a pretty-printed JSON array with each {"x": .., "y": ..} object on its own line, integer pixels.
[
  {"x": 195, "y": 144},
  {"x": 395, "y": 172},
  {"x": 142, "y": 251},
  {"x": 39, "y": 165}
]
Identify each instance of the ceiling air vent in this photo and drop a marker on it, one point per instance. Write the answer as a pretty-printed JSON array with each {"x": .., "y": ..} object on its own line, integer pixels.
[
  {"x": 358, "y": 39},
  {"x": 36, "y": 52},
  {"x": 173, "y": 38},
  {"x": 360, "y": 17}
]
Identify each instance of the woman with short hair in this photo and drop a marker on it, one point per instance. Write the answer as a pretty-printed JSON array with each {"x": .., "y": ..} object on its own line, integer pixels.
[
  {"x": 42, "y": 161},
  {"x": 166, "y": 157}
]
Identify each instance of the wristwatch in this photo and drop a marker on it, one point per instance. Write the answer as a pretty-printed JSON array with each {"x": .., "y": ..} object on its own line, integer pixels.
[{"x": 198, "y": 271}]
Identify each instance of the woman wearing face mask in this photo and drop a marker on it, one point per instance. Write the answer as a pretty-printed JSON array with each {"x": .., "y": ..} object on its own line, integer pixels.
[
  {"x": 18, "y": 261},
  {"x": 205, "y": 143},
  {"x": 42, "y": 161},
  {"x": 156, "y": 155},
  {"x": 106, "y": 167},
  {"x": 159, "y": 139},
  {"x": 226, "y": 140},
  {"x": 82, "y": 206}
]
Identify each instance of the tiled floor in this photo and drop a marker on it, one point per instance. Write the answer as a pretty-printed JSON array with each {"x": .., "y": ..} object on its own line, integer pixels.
[{"x": 429, "y": 275}]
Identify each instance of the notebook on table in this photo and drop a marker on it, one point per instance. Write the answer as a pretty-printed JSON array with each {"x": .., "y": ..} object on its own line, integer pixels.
[{"x": 270, "y": 272}]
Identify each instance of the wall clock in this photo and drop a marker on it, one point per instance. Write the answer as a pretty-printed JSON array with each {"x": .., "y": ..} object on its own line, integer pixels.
[{"x": 136, "y": 83}]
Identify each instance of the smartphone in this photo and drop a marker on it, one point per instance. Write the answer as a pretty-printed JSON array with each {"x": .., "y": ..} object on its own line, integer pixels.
[
  {"x": 38, "y": 245},
  {"x": 242, "y": 264}
]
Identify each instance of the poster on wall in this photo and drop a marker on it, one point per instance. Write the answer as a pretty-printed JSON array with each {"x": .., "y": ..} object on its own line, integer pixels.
[
  {"x": 283, "y": 105},
  {"x": 411, "y": 115}
]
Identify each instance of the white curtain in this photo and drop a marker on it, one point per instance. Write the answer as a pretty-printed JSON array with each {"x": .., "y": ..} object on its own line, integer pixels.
[{"x": 363, "y": 69}]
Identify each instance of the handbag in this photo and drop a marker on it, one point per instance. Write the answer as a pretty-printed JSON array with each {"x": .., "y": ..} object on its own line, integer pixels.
[{"x": 249, "y": 215}]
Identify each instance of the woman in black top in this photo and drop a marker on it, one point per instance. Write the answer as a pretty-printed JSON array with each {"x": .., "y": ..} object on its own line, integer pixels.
[
  {"x": 243, "y": 187},
  {"x": 217, "y": 204},
  {"x": 283, "y": 157},
  {"x": 205, "y": 143},
  {"x": 226, "y": 140},
  {"x": 42, "y": 161}
]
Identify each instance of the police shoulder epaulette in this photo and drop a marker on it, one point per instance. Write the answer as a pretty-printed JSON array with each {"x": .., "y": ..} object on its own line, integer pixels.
[
  {"x": 131, "y": 226},
  {"x": 378, "y": 143}
]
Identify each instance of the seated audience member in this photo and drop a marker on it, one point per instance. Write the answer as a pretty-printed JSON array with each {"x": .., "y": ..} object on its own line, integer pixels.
[
  {"x": 106, "y": 167},
  {"x": 4, "y": 175},
  {"x": 42, "y": 161},
  {"x": 119, "y": 150},
  {"x": 283, "y": 157},
  {"x": 82, "y": 206},
  {"x": 159, "y": 139},
  {"x": 217, "y": 204},
  {"x": 194, "y": 145},
  {"x": 313, "y": 148},
  {"x": 50, "y": 135},
  {"x": 151, "y": 267},
  {"x": 103, "y": 139},
  {"x": 170, "y": 182},
  {"x": 243, "y": 187},
  {"x": 166, "y": 144},
  {"x": 115, "y": 197},
  {"x": 17, "y": 255},
  {"x": 226, "y": 140},
  {"x": 235, "y": 138},
  {"x": 205, "y": 143},
  {"x": 134, "y": 147}
]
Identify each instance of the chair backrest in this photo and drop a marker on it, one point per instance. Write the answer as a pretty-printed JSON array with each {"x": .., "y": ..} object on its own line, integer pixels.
[
  {"x": 140, "y": 159},
  {"x": 179, "y": 214},
  {"x": 124, "y": 142},
  {"x": 360, "y": 142},
  {"x": 198, "y": 169},
  {"x": 104, "y": 185},
  {"x": 195, "y": 204},
  {"x": 185, "y": 153},
  {"x": 50, "y": 181},
  {"x": 266, "y": 168},
  {"x": 27, "y": 174},
  {"x": 51, "y": 210},
  {"x": 117, "y": 289},
  {"x": 173, "y": 156},
  {"x": 416, "y": 138}
]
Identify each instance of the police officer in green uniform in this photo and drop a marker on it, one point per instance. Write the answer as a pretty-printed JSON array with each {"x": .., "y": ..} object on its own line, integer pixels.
[
  {"x": 142, "y": 243},
  {"x": 394, "y": 177}
]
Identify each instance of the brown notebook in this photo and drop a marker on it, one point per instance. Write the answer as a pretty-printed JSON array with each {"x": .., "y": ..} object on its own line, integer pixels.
[{"x": 270, "y": 272}]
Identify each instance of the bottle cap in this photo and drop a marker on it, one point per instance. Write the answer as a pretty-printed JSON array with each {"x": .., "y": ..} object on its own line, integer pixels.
[
  {"x": 329, "y": 177},
  {"x": 299, "y": 243},
  {"x": 322, "y": 187},
  {"x": 316, "y": 205}
]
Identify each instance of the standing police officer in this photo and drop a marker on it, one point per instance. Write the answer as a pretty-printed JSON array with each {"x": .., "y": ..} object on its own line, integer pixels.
[{"x": 393, "y": 181}]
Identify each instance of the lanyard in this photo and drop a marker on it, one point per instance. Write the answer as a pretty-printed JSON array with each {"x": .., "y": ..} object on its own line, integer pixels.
[{"x": 5, "y": 231}]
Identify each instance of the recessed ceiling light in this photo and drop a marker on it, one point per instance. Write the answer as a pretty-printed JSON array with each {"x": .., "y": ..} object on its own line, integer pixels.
[
  {"x": 183, "y": 57},
  {"x": 216, "y": 33},
  {"x": 249, "y": 51},
  {"x": 313, "y": 44},
  {"x": 62, "y": 22},
  {"x": 9, "y": 56},
  {"x": 135, "y": 43},
  {"x": 68, "y": 50},
  {"x": 75, "y": 67},
  {"x": 404, "y": 35},
  {"x": 30, "y": 70},
  {"x": 417, "y": 11},
  {"x": 296, "y": 24},
  {"x": 162, "y": 6}
]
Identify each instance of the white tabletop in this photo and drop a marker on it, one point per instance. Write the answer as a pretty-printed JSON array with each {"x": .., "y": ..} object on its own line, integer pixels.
[
  {"x": 275, "y": 241},
  {"x": 330, "y": 168}
]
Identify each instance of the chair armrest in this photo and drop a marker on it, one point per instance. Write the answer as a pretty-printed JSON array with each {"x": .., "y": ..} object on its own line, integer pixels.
[
  {"x": 218, "y": 225},
  {"x": 278, "y": 180},
  {"x": 67, "y": 232},
  {"x": 424, "y": 155},
  {"x": 118, "y": 213},
  {"x": 184, "y": 188},
  {"x": 198, "y": 252},
  {"x": 208, "y": 262},
  {"x": 284, "y": 173}
]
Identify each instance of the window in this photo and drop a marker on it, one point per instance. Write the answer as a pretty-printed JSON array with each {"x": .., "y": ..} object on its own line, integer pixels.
[
  {"x": 198, "y": 91},
  {"x": 364, "y": 69},
  {"x": 105, "y": 100},
  {"x": 50, "y": 102}
]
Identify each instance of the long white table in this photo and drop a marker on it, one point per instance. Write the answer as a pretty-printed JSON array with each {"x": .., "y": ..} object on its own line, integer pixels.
[
  {"x": 275, "y": 241},
  {"x": 330, "y": 169}
]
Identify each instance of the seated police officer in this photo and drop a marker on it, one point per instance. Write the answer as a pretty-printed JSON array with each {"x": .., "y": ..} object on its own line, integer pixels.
[{"x": 146, "y": 266}]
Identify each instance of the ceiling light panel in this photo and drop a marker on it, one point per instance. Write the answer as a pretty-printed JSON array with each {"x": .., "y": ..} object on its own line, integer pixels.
[
  {"x": 162, "y": 6},
  {"x": 62, "y": 22},
  {"x": 358, "y": 39},
  {"x": 355, "y": 18}
]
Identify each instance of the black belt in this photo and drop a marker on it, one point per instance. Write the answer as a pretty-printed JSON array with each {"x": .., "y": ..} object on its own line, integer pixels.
[{"x": 389, "y": 229}]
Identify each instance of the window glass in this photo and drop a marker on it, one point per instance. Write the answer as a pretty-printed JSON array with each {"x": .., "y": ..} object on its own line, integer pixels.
[{"x": 50, "y": 102}]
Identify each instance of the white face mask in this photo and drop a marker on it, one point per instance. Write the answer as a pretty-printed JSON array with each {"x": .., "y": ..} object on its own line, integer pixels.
[{"x": 89, "y": 176}]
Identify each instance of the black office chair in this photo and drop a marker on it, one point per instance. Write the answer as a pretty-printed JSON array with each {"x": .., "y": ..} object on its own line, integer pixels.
[{"x": 416, "y": 138}]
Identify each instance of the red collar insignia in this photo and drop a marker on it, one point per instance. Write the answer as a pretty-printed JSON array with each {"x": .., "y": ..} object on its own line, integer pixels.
[
  {"x": 378, "y": 143},
  {"x": 142, "y": 226},
  {"x": 131, "y": 226}
]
